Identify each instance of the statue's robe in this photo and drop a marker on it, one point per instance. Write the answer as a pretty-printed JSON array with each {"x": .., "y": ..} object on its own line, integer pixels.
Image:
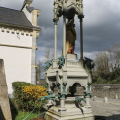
[{"x": 70, "y": 37}]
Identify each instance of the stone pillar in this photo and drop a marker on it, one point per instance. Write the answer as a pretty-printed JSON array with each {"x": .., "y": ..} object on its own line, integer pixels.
[
  {"x": 89, "y": 76},
  {"x": 62, "y": 109},
  {"x": 55, "y": 43},
  {"x": 64, "y": 37},
  {"x": 81, "y": 39},
  {"x": 88, "y": 95},
  {"x": 64, "y": 49},
  {"x": 87, "y": 101},
  {"x": 49, "y": 101},
  {"x": 62, "y": 102},
  {"x": 55, "y": 38}
]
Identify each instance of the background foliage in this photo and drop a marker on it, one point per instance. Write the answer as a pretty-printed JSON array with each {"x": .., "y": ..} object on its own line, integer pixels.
[{"x": 107, "y": 66}]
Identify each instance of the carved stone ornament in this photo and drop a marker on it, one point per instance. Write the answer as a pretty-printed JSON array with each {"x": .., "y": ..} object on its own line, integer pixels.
[
  {"x": 61, "y": 61},
  {"x": 59, "y": 87},
  {"x": 64, "y": 87},
  {"x": 80, "y": 99},
  {"x": 68, "y": 7}
]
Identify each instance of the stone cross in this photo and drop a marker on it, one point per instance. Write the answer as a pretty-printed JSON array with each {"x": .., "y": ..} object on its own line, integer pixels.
[{"x": 4, "y": 100}]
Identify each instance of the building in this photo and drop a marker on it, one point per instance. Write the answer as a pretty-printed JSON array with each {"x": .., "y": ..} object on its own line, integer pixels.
[{"x": 18, "y": 37}]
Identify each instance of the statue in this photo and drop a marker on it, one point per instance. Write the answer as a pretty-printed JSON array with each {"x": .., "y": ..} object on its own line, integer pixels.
[{"x": 70, "y": 36}]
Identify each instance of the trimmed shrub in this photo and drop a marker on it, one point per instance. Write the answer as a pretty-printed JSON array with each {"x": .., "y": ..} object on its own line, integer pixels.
[{"x": 26, "y": 95}]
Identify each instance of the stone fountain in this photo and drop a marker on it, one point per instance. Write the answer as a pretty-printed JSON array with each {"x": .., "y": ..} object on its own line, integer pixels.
[{"x": 67, "y": 71}]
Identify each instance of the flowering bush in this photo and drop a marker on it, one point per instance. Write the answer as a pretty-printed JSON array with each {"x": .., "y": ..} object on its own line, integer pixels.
[{"x": 26, "y": 95}]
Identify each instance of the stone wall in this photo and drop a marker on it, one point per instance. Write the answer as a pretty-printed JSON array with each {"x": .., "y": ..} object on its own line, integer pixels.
[{"x": 106, "y": 90}]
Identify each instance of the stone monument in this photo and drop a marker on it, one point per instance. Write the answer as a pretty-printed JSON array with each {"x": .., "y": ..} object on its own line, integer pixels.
[
  {"x": 68, "y": 71},
  {"x": 4, "y": 100}
]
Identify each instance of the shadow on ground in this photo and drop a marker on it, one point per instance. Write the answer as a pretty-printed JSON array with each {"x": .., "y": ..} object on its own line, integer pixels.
[
  {"x": 13, "y": 110},
  {"x": 113, "y": 117},
  {"x": 1, "y": 115}
]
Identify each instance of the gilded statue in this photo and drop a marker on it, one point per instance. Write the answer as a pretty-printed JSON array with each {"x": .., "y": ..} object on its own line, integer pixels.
[{"x": 70, "y": 37}]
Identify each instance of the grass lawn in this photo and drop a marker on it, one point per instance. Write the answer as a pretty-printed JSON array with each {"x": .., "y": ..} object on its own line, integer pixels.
[
  {"x": 20, "y": 115},
  {"x": 17, "y": 114}
]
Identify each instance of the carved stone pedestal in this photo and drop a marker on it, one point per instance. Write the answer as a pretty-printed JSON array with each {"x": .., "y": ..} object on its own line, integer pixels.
[{"x": 70, "y": 112}]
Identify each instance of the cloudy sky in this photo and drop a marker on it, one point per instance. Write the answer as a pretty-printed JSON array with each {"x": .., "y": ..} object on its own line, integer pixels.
[{"x": 101, "y": 25}]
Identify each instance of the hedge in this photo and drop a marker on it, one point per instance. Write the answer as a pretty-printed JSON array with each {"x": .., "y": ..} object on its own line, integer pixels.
[{"x": 26, "y": 95}]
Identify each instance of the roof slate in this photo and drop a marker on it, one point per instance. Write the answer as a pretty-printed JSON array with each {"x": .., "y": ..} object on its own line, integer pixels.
[
  {"x": 30, "y": 9},
  {"x": 14, "y": 17}
]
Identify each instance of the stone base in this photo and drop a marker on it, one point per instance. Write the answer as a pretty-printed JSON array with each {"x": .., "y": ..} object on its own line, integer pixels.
[{"x": 70, "y": 114}]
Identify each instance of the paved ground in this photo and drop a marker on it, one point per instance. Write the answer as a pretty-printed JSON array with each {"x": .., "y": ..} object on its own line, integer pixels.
[{"x": 110, "y": 110}]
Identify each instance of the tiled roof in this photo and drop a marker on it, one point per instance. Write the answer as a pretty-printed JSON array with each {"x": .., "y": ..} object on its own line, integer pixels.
[
  {"x": 14, "y": 17},
  {"x": 30, "y": 9}
]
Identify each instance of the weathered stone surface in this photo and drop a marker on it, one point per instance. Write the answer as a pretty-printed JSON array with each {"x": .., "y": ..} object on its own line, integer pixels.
[{"x": 4, "y": 100}]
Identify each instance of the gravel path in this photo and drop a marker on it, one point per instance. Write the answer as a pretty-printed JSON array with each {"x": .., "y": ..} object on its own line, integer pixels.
[{"x": 110, "y": 110}]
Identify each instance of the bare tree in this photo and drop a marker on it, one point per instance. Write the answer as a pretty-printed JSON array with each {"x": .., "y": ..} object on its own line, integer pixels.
[
  {"x": 114, "y": 54},
  {"x": 106, "y": 60},
  {"x": 101, "y": 63},
  {"x": 39, "y": 71},
  {"x": 49, "y": 54}
]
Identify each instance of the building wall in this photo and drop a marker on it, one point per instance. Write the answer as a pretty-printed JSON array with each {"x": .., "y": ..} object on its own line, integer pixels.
[
  {"x": 14, "y": 38},
  {"x": 17, "y": 60}
]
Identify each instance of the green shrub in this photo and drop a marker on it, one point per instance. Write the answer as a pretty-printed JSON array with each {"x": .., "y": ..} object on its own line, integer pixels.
[
  {"x": 23, "y": 100},
  {"x": 116, "y": 81},
  {"x": 17, "y": 87},
  {"x": 100, "y": 80}
]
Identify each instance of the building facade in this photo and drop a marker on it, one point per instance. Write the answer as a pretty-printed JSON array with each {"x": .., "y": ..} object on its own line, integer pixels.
[{"x": 18, "y": 43}]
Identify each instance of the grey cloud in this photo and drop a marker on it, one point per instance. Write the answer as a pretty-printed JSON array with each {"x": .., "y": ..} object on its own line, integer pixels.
[{"x": 101, "y": 25}]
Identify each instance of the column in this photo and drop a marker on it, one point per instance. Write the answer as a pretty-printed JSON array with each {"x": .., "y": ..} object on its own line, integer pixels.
[
  {"x": 62, "y": 102},
  {"x": 81, "y": 39},
  {"x": 62, "y": 109},
  {"x": 88, "y": 92},
  {"x": 64, "y": 35},
  {"x": 55, "y": 43},
  {"x": 64, "y": 49}
]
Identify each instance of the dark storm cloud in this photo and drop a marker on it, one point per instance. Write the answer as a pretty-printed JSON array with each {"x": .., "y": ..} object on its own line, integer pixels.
[{"x": 101, "y": 25}]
